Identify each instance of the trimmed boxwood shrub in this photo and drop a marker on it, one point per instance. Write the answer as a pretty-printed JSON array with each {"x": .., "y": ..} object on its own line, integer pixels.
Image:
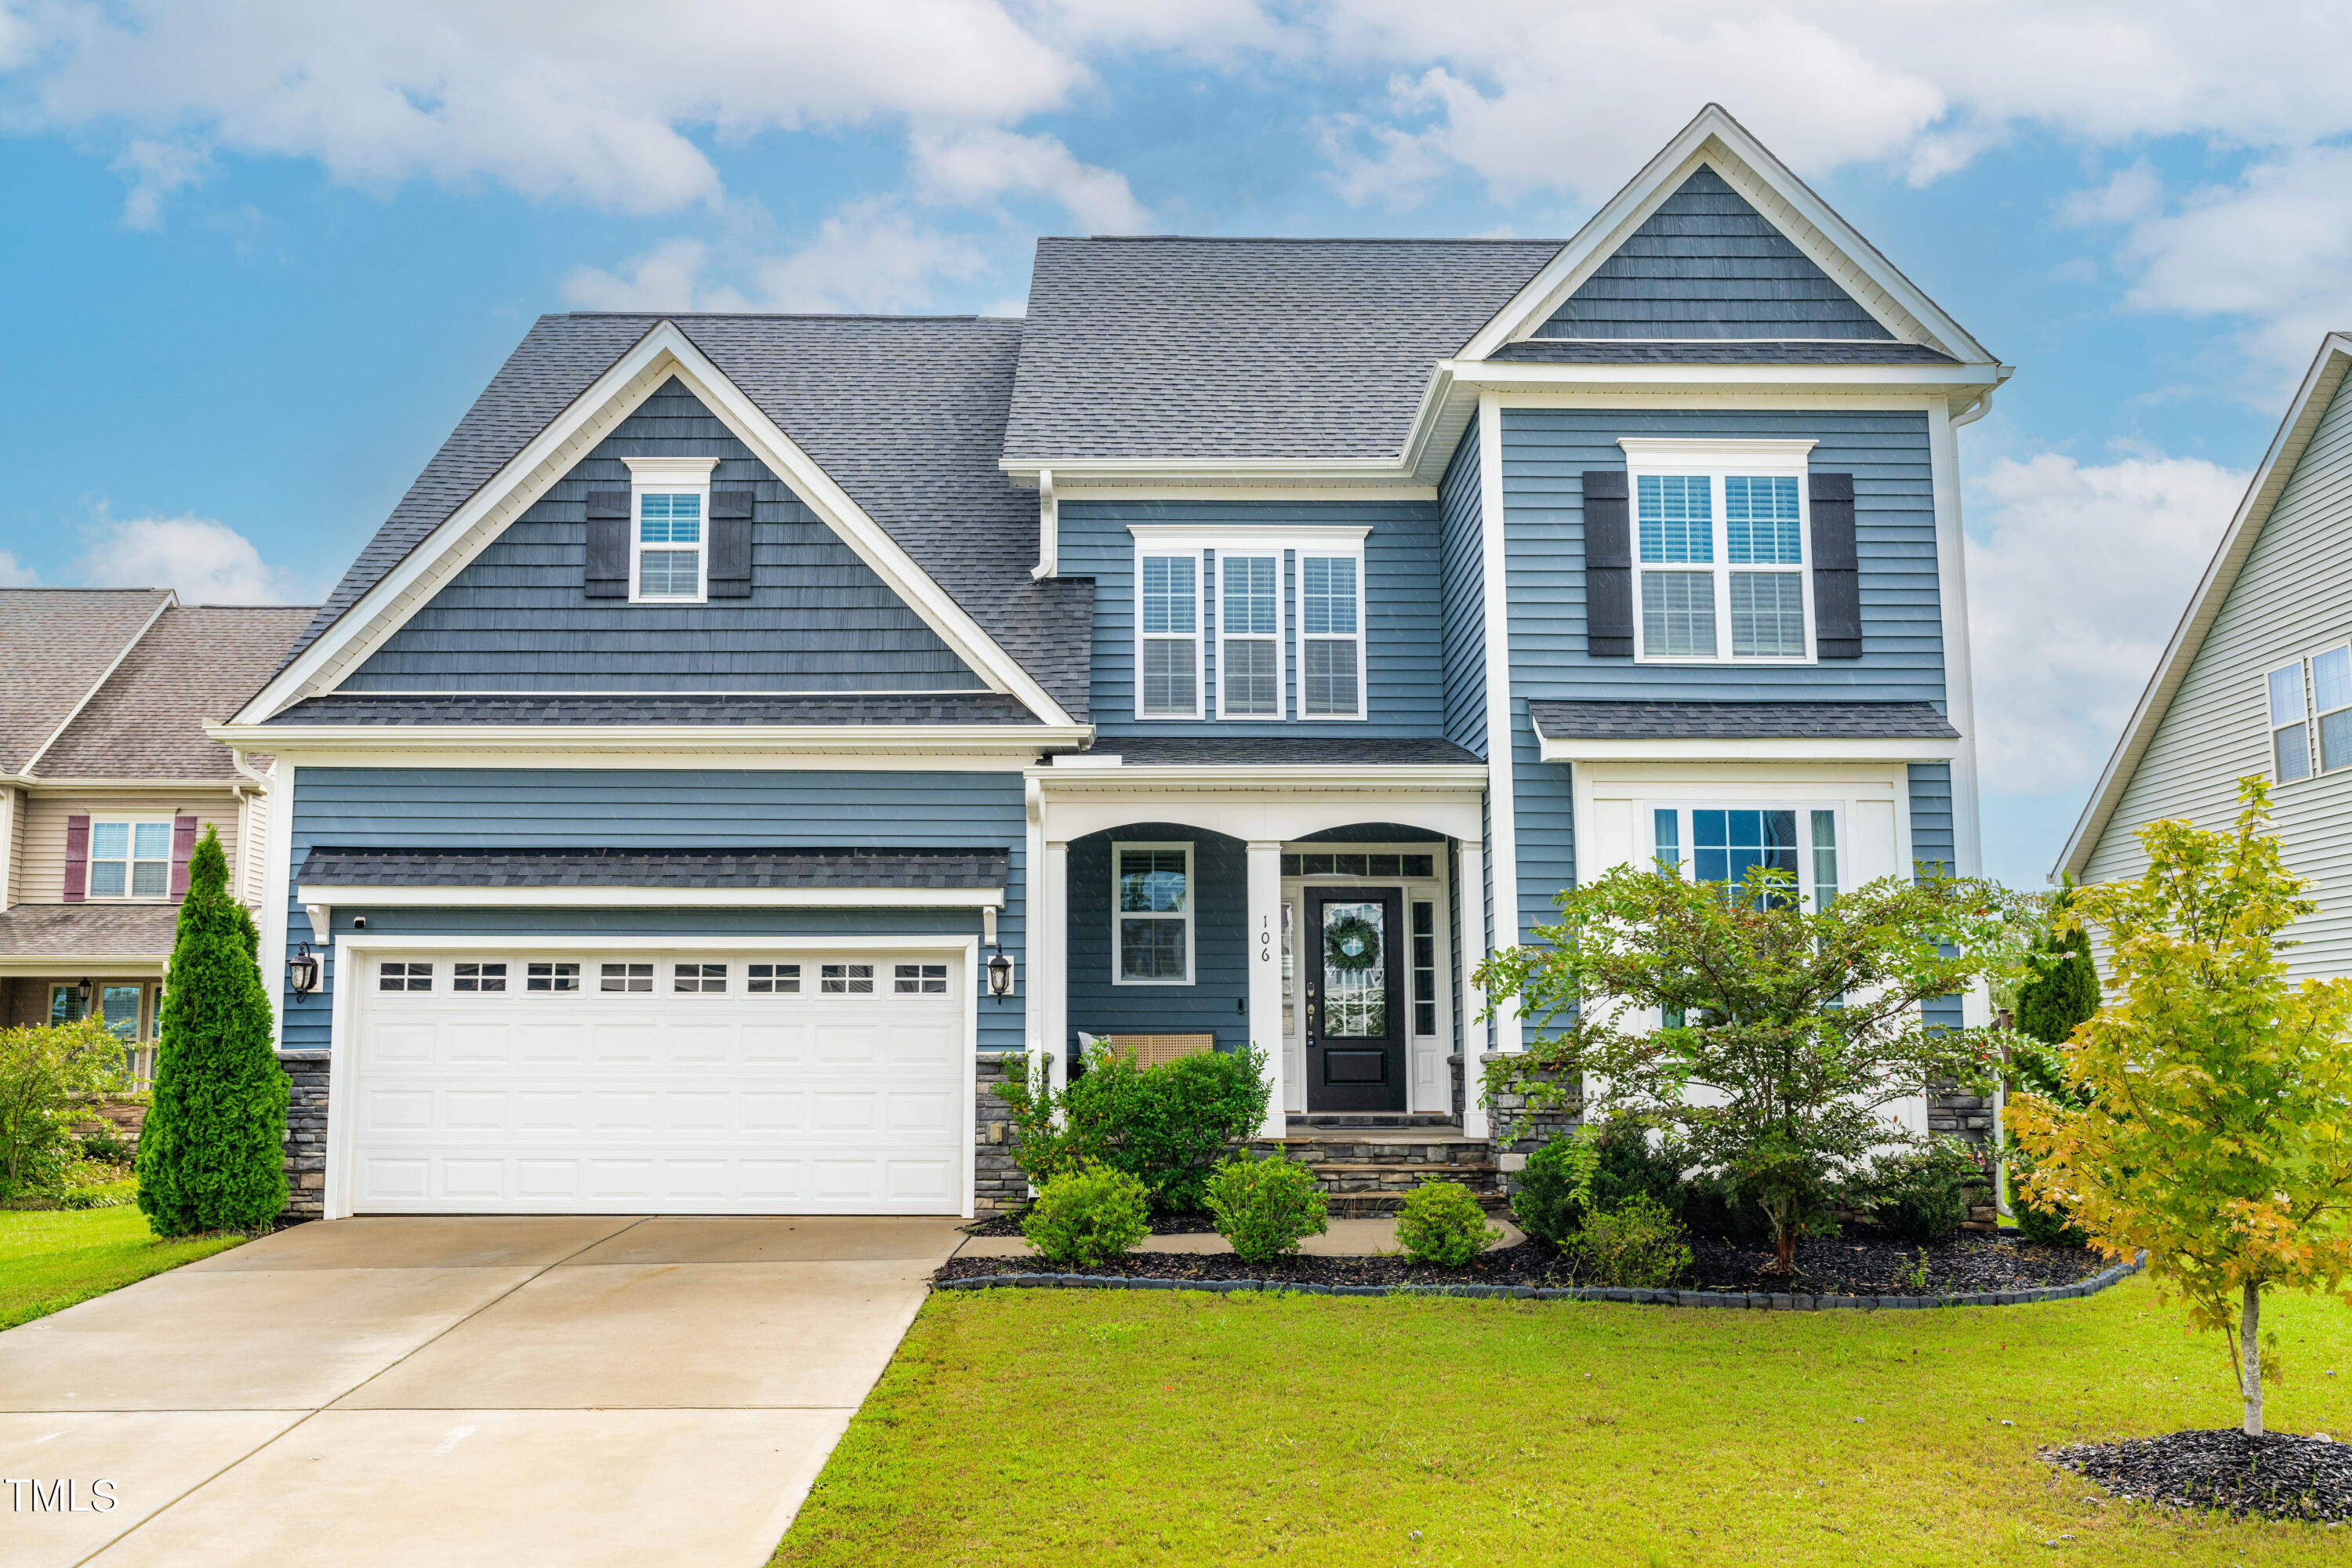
[
  {"x": 1627, "y": 1166},
  {"x": 1266, "y": 1207},
  {"x": 1167, "y": 1126},
  {"x": 1441, "y": 1223},
  {"x": 1088, "y": 1215},
  {"x": 212, "y": 1150}
]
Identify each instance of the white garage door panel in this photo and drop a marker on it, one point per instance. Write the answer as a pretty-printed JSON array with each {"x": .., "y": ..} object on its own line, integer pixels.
[{"x": 593, "y": 1101}]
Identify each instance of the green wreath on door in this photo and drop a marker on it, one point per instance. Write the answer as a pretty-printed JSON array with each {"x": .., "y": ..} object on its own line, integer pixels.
[{"x": 1351, "y": 944}]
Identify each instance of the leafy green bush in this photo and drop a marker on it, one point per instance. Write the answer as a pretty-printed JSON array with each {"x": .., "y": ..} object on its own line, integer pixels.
[
  {"x": 212, "y": 1150},
  {"x": 1441, "y": 1222},
  {"x": 1637, "y": 1243},
  {"x": 1265, "y": 1207},
  {"x": 106, "y": 1145},
  {"x": 1167, "y": 1126},
  {"x": 1713, "y": 1205},
  {"x": 1921, "y": 1197},
  {"x": 1088, "y": 1215},
  {"x": 2045, "y": 1226},
  {"x": 1620, "y": 1163},
  {"x": 48, "y": 1076}
]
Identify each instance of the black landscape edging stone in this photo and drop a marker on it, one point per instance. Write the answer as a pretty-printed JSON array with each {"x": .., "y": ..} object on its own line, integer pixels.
[{"x": 1753, "y": 1302}]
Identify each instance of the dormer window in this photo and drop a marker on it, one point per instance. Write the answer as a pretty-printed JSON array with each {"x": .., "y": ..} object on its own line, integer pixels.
[{"x": 669, "y": 534}]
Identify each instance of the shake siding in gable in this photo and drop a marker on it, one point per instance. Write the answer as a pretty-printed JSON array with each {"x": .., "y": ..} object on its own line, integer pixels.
[
  {"x": 516, "y": 618},
  {"x": 1463, "y": 637},
  {"x": 2293, "y": 598},
  {"x": 1405, "y": 687},
  {"x": 488, "y": 808},
  {"x": 1546, "y": 452}
]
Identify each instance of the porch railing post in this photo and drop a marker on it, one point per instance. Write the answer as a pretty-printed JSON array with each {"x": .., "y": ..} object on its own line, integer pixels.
[{"x": 1265, "y": 947}]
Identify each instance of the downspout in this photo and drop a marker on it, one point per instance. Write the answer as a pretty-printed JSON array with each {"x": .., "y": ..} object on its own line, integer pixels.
[{"x": 1049, "y": 528}]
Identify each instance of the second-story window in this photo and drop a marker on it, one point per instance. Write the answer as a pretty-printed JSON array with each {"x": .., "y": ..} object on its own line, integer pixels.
[
  {"x": 667, "y": 557},
  {"x": 129, "y": 860},
  {"x": 1720, "y": 551},
  {"x": 1168, "y": 640},
  {"x": 2290, "y": 725},
  {"x": 1330, "y": 637},
  {"x": 1249, "y": 624}
]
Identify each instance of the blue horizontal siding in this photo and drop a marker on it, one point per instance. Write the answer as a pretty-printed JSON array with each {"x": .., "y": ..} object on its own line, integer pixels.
[
  {"x": 1405, "y": 668},
  {"x": 491, "y": 808},
  {"x": 1935, "y": 849},
  {"x": 1463, "y": 589},
  {"x": 1214, "y": 1002},
  {"x": 516, "y": 617}
]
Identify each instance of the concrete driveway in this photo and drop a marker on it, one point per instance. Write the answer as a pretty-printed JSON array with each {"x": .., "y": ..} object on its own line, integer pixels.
[{"x": 497, "y": 1390}]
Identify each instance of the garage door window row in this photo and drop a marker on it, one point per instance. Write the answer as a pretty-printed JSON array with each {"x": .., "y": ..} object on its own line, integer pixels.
[{"x": 475, "y": 978}]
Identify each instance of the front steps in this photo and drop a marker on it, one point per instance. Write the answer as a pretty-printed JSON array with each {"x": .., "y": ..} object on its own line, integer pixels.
[{"x": 1367, "y": 1163}]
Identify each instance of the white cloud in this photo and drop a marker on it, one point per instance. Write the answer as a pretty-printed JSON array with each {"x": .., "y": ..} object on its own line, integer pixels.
[
  {"x": 2080, "y": 575},
  {"x": 666, "y": 278},
  {"x": 206, "y": 561},
  {"x": 872, "y": 256},
  {"x": 155, "y": 169},
  {"x": 15, "y": 574},
  {"x": 974, "y": 167}
]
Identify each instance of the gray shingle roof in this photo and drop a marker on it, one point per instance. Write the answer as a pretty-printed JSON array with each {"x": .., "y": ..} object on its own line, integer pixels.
[
  {"x": 905, "y": 414},
  {"x": 354, "y": 708},
  {"x": 73, "y": 931},
  {"x": 1726, "y": 350},
  {"x": 1207, "y": 750},
  {"x": 941, "y": 868},
  {"x": 199, "y": 663},
  {"x": 1246, "y": 348},
  {"x": 55, "y": 643},
  {"x": 1740, "y": 721}
]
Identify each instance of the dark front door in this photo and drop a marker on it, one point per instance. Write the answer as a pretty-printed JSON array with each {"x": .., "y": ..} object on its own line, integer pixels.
[{"x": 1355, "y": 998}]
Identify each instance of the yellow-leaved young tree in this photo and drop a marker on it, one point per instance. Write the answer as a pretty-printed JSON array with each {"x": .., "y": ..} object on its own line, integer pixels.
[{"x": 2215, "y": 1130}]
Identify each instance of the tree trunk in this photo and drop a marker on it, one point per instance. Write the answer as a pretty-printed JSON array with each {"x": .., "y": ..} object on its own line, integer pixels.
[
  {"x": 2250, "y": 1358},
  {"x": 1784, "y": 1245}
]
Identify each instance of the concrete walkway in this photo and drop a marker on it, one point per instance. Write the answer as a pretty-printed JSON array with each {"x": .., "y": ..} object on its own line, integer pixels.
[{"x": 567, "y": 1391}]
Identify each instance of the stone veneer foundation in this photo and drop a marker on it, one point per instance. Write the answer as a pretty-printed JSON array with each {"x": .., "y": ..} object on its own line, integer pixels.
[{"x": 306, "y": 1136}]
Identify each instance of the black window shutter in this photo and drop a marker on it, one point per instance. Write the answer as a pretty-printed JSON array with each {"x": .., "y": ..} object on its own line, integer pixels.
[
  {"x": 730, "y": 544},
  {"x": 1837, "y": 590},
  {"x": 607, "y": 575},
  {"x": 1608, "y": 565}
]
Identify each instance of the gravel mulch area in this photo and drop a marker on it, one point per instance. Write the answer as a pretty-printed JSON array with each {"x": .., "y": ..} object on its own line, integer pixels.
[
  {"x": 2276, "y": 1476},
  {"x": 1859, "y": 1265}
]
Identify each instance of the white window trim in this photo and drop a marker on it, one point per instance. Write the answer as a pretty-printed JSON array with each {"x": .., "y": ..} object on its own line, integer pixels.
[
  {"x": 1804, "y": 809},
  {"x": 1200, "y": 630},
  {"x": 2307, "y": 718},
  {"x": 2319, "y": 715},
  {"x": 1290, "y": 543},
  {"x": 1361, "y": 637},
  {"x": 1280, "y": 637},
  {"x": 1191, "y": 906},
  {"x": 129, "y": 862},
  {"x": 1716, "y": 460},
  {"x": 669, "y": 476}
]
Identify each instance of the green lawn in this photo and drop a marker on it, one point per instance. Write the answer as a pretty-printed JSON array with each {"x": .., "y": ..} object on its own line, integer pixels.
[
  {"x": 51, "y": 1258},
  {"x": 1108, "y": 1427}
]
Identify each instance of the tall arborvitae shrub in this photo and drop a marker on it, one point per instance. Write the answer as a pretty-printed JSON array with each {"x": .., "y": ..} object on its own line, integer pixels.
[{"x": 211, "y": 1153}]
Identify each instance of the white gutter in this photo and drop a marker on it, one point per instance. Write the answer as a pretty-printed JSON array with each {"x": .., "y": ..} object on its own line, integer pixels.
[{"x": 1011, "y": 740}]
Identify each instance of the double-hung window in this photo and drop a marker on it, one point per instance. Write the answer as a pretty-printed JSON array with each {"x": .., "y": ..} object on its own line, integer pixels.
[
  {"x": 1151, "y": 904},
  {"x": 1720, "y": 548},
  {"x": 1249, "y": 631},
  {"x": 2331, "y": 704},
  {"x": 1723, "y": 844},
  {"x": 669, "y": 530},
  {"x": 129, "y": 860},
  {"x": 1330, "y": 637},
  {"x": 2290, "y": 724},
  {"x": 1168, "y": 636}
]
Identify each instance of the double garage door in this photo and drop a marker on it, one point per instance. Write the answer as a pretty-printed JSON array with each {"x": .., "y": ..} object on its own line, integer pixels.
[{"x": 690, "y": 1082}]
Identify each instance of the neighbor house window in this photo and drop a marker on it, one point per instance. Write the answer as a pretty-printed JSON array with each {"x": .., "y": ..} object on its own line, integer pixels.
[
  {"x": 129, "y": 860},
  {"x": 2290, "y": 725},
  {"x": 1723, "y": 844},
  {"x": 1151, "y": 904},
  {"x": 1330, "y": 637},
  {"x": 1719, "y": 549},
  {"x": 2331, "y": 701},
  {"x": 1249, "y": 625},
  {"x": 668, "y": 562},
  {"x": 1168, "y": 633}
]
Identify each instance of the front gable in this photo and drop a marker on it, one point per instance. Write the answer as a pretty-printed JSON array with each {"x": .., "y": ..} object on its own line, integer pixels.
[
  {"x": 516, "y": 617},
  {"x": 1706, "y": 264}
]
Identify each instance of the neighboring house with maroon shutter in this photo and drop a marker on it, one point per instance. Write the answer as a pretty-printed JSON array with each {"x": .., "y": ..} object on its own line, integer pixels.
[{"x": 106, "y": 781}]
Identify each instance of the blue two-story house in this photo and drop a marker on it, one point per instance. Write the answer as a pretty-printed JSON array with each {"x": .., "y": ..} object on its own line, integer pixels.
[{"x": 747, "y": 729}]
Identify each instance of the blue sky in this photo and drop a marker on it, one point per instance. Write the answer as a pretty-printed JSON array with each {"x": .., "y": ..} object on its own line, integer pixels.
[{"x": 274, "y": 249}]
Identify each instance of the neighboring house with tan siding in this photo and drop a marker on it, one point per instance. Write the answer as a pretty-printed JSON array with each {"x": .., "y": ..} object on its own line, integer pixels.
[
  {"x": 2258, "y": 678},
  {"x": 107, "y": 779}
]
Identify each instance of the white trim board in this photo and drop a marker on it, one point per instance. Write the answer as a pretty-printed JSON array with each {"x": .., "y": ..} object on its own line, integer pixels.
[
  {"x": 357, "y": 895},
  {"x": 774, "y": 742},
  {"x": 1703, "y": 749},
  {"x": 664, "y": 351}
]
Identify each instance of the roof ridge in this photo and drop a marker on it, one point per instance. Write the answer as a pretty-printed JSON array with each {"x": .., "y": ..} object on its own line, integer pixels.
[
  {"x": 1297, "y": 239},
  {"x": 775, "y": 316}
]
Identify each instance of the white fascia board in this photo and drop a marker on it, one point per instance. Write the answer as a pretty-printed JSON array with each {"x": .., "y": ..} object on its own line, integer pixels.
[
  {"x": 777, "y": 741},
  {"x": 1402, "y": 491},
  {"x": 1715, "y": 138},
  {"x": 2320, "y": 384},
  {"x": 75, "y": 965},
  {"x": 1940, "y": 380},
  {"x": 1778, "y": 750},
  {"x": 45, "y": 785},
  {"x": 600, "y": 942},
  {"x": 355, "y": 895},
  {"x": 33, "y": 763},
  {"x": 1074, "y": 474},
  {"x": 1448, "y": 776},
  {"x": 664, "y": 351}
]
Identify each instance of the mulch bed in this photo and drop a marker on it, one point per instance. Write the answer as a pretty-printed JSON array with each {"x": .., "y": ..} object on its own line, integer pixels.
[
  {"x": 1858, "y": 1265},
  {"x": 2276, "y": 1476},
  {"x": 1196, "y": 1222}
]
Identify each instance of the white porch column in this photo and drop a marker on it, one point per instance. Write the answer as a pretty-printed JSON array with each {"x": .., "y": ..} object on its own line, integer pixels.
[
  {"x": 1049, "y": 968},
  {"x": 1470, "y": 899},
  {"x": 1266, "y": 972}
]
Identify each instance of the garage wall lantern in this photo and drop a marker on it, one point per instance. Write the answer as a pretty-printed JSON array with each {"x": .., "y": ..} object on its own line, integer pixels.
[{"x": 302, "y": 971}]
